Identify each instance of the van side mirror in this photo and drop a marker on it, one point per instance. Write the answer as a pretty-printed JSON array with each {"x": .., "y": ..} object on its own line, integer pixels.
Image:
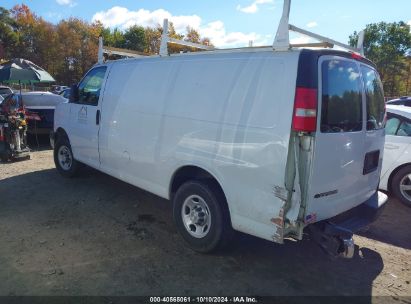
[{"x": 74, "y": 93}]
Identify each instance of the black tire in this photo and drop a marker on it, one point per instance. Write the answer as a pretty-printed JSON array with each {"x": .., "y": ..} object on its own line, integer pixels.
[
  {"x": 219, "y": 232},
  {"x": 396, "y": 182},
  {"x": 71, "y": 169}
]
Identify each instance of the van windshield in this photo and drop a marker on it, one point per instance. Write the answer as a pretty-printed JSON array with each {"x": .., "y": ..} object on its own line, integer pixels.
[{"x": 341, "y": 108}]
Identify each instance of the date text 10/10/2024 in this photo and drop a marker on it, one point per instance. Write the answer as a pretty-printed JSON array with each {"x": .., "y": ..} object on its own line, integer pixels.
[{"x": 203, "y": 300}]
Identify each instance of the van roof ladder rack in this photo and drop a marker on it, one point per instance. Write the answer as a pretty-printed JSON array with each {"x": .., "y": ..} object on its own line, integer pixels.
[
  {"x": 281, "y": 41},
  {"x": 282, "y": 38},
  {"x": 165, "y": 40},
  {"x": 115, "y": 51}
]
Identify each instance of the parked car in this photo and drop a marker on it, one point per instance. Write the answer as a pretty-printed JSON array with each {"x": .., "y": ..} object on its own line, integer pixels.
[
  {"x": 405, "y": 101},
  {"x": 4, "y": 91},
  {"x": 396, "y": 166},
  {"x": 43, "y": 105},
  {"x": 65, "y": 93}
]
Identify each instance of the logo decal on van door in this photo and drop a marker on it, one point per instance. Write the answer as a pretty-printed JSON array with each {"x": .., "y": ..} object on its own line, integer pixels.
[{"x": 82, "y": 115}]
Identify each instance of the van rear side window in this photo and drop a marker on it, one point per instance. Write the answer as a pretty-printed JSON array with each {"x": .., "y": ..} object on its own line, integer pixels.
[
  {"x": 341, "y": 108},
  {"x": 374, "y": 98}
]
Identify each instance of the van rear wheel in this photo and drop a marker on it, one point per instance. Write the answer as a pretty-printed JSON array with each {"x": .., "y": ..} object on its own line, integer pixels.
[
  {"x": 401, "y": 185},
  {"x": 201, "y": 217},
  {"x": 65, "y": 163}
]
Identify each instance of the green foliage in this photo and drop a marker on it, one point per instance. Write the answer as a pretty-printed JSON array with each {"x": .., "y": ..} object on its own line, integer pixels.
[
  {"x": 192, "y": 35},
  {"x": 153, "y": 39},
  {"x": 388, "y": 45},
  {"x": 135, "y": 39},
  {"x": 77, "y": 42},
  {"x": 8, "y": 35}
]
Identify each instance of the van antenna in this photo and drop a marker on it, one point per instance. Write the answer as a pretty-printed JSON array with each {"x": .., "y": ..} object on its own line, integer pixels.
[{"x": 282, "y": 38}]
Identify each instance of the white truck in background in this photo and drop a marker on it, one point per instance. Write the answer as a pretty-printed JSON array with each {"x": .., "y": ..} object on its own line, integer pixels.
[{"x": 269, "y": 141}]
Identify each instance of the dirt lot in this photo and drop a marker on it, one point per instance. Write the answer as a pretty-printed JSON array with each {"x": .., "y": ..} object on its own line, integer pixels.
[{"x": 95, "y": 235}]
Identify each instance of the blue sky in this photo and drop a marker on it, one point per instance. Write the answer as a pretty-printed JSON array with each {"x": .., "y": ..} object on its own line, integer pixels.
[{"x": 230, "y": 22}]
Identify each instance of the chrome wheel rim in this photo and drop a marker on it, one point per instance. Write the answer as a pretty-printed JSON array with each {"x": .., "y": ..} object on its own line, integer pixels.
[
  {"x": 405, "y": 187},
  {"x": 196, "y": 216},
  {"x": 65, "y": 158}
]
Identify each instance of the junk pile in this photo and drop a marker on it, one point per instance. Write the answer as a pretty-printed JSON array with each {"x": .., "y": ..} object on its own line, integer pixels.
[
  {"x": 13, "y": 130},
  {"x": 13, "y": 117}
]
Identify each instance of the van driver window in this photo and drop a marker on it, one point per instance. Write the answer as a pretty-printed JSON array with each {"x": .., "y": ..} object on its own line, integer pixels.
[{"x": 90, "y": 86}]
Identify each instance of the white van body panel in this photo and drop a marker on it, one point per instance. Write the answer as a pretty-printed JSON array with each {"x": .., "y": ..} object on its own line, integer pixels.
[{"x": 229, "y": 114}]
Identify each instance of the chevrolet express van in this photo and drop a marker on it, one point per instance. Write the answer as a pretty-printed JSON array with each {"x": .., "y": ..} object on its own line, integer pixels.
[{"x": 273, "y": 144}]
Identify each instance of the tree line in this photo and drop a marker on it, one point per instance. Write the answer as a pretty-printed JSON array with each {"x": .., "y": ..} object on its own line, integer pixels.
[
  {"x": 68, "y": 49},
  {"x": 388, "y": 45}
]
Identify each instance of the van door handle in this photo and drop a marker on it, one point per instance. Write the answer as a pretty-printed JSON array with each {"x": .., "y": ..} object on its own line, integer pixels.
[{"x": 98, "y": 117}]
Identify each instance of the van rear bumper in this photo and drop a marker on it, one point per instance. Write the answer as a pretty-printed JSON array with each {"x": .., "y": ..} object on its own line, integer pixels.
[{"x": 334, "y": 235}]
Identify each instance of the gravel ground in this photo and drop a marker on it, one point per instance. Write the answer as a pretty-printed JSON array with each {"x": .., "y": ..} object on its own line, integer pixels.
[{"x": 95, "y": 235}]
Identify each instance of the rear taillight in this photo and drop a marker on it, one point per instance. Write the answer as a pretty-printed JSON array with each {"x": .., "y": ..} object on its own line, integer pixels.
[{"x": 305, "y": 110}]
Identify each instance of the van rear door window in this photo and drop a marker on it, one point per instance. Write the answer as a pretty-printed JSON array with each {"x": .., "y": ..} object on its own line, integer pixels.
[
  {"x": 374, "y": 98},
  {"x": 341, "y": 108}
]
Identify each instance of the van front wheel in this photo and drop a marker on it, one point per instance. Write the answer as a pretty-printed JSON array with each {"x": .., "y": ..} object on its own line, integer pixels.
[
  {"x": 200, "y": 217},
  {"x": 63, "y": 158}
]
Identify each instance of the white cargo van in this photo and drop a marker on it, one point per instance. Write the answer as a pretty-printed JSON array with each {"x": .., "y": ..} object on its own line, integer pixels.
[{"x": 262, "y": 141}]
